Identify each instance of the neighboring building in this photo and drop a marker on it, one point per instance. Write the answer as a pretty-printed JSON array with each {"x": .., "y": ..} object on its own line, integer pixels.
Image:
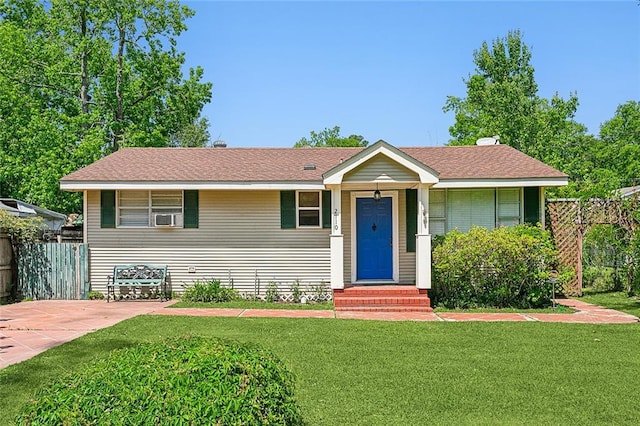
[
  {"x": 53, "y": 220},
  {"x": 629, "y": 191},
  {"x": 283, "y": 214}
]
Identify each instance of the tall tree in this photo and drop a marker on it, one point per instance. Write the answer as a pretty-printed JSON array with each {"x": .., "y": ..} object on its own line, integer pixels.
[
  {"x": 331, "y": 138},
  {"x": 620, "y": 143},
  {"x": 192, "y": 135},
  {"x": 502, "y": 99},
  {"x": 87, "y": 77}
]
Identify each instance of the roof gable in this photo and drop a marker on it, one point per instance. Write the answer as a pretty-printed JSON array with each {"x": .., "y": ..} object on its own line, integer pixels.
[{"x": 380, "y": 148}]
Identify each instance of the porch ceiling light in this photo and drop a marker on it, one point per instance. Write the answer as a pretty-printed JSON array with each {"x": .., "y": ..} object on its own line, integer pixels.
[{"x": 376, "y": 194}]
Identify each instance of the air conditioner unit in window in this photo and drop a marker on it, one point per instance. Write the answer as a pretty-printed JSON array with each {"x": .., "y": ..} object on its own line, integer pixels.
[{"x": 164, "y": 220}]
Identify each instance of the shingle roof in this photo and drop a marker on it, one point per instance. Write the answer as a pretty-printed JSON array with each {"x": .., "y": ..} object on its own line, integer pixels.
[{"x": 287, "y": 164}]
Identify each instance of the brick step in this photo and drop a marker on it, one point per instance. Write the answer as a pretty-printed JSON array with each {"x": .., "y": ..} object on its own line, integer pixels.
[
  {"x": 396, "y": 298},
  {"x": 381, "y": 300},
  {"x": 383, "y": 308},
  {"x": 380, "y": 291}
]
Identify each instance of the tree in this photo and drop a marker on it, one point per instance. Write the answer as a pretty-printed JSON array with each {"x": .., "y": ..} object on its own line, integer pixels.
[
  {"x": 502, "y": 99},
  {"x": 82, "y": 78},
  {"x": 331, "y": 138},
  {"x": 619, "y": 146},
  {"x": 192, "y": 135}
]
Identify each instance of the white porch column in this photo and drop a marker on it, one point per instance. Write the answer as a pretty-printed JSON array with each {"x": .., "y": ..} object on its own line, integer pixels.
[
  {"x": 336, "y": 240},
  {"x": 423, "y": 240}
]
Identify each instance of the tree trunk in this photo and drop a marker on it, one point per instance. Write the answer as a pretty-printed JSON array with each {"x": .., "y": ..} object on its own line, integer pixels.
[
  {"x": 84, "y": 79},
  {"x": 119, "y": 112}
]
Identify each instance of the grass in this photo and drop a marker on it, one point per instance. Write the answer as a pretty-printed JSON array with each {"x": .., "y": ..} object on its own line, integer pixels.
[
  {"x": 617, "y": 300},
  {"x": 559, "y": 309},
  {"x": 255, "y": 304},
  {"x": 352, "y": 372}
]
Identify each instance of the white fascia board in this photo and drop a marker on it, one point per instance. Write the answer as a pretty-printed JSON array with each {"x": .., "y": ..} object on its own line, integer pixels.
[
  {"x": 276, "y": 186},
  {"x": 425, "y": 175},
  {"x": 500, "y": 183}
]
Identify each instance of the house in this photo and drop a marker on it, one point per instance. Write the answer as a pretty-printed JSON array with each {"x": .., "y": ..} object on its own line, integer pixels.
[
  {"x": 344, "y": 216},
  {"x": 53, "y": 220}
]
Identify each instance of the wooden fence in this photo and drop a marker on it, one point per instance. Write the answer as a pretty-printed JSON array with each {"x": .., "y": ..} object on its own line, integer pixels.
[
  {"x": 6, "y": 266},
  {"x": 53, "y": 271}
]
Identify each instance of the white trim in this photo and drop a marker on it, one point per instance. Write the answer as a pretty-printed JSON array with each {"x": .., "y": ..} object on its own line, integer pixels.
[
  {"x": 425, "y": 173},
  {"x": 542, "y": 210},
  {"x": 150, "y": 214},
  {"x": 303, "y": 186},
  {"x": 318, "y": 209},
  {"x": 276, "y": 186},
  {"x": 499, "y": 183},
  {"x": 336, "y": 240},
  {"x": 85, "y": 209},
  {"x": 395, "y": 237}
]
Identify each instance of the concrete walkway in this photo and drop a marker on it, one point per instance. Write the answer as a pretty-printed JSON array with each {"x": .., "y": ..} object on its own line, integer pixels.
[{"x": 29, "y": 328}]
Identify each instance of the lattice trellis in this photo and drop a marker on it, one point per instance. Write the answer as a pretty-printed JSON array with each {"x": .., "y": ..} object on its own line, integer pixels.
[
  {"x": 571, "y": 219},
  {"x": 565, "y": 222}
]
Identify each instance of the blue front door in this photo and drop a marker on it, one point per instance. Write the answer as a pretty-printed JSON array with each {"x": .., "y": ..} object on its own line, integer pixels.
[{"x": 374, "y": 239}]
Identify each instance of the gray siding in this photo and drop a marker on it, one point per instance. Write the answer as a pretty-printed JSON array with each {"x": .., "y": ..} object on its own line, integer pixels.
[
  {"x": 283, "y": 266},
  {"x": 381, "y": 169},
  {"x": 229, "y": 219}
]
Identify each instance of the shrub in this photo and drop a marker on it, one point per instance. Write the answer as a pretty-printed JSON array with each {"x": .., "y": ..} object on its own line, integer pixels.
[
  {"x": 272, "y": 294},
  {"x": 189, "y": 380},
  {"x": 209, "y": 291},
  {"x": 320, "y": 293},
  {"x": 95, "y": 295},
  {"x": 505, "y": 267},
  {"x": 296, "y": 292}
]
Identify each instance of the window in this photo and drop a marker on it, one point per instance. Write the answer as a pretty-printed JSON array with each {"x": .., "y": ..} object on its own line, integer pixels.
[
  {"x": 437, "y": 212},
  {"x": 138, "y": 208},
  {"x": 468, "y": 207},
  {"x": 308, "y": 208},
  {"x": 508, "y": 206}
]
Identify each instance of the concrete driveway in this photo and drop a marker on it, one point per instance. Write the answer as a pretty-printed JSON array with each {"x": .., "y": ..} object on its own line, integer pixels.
[{"x": 29, "y": 328}]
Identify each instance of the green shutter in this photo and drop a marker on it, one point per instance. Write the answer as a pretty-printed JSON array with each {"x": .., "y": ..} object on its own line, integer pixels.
[
  {"x": 412, "y": 218},
  {"x": 191, "y": 206},
  {"x": 108, "y": 209},
  {"x": 287, "y": 209},
  {"x": 326, "y": 209},
  {"x": 532, "y": 205}
]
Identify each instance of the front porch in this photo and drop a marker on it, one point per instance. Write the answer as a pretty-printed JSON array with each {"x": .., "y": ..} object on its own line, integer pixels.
[{"x": 380, "y": 225}]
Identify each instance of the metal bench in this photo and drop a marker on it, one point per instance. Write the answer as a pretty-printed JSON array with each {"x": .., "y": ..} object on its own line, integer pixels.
[{"x": 137, "y": 277}]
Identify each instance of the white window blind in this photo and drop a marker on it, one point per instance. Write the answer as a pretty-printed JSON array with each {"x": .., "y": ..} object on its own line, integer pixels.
[
  {"x": 471, "y": 207},
  {"x": 508, "y": 206},
  {"x": 437, "y": 212},
  {"x": 136, "y": 208}
]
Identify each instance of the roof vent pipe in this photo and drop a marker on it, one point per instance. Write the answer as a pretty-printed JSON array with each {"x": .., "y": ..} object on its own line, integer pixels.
[{"x": 219, "y": 144}]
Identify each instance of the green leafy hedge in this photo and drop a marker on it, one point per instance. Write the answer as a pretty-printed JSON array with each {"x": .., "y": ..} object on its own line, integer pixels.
[
  {"x": 504, "y": 267},
  {"x": 209, "y": 291},
  {"x": 181, "y": 381}
]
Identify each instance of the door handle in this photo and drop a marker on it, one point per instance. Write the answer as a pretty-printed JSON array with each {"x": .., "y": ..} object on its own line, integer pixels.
[{"x": 390, "y": 242}]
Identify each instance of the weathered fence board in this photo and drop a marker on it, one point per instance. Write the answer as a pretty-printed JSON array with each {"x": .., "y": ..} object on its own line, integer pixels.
[
  {"x": 6, "y": 266},
  {"x": 53, "y": 271}
]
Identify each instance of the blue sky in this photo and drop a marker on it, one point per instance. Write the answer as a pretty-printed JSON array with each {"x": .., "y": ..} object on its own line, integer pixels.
[{"x": 384, "y": 69}]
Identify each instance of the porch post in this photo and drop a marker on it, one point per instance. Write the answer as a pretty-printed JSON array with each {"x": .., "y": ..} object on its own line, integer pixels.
[
  {"x": 423, "y": 240},
  {"x": 336, "y": 240}
]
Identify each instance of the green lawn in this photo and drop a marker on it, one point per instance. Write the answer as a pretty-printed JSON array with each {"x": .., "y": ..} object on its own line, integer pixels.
[
  {"x": 559, "y": 309},
  {"x": 352, "y": 372},
  {"x": 614, "y": 300}
]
